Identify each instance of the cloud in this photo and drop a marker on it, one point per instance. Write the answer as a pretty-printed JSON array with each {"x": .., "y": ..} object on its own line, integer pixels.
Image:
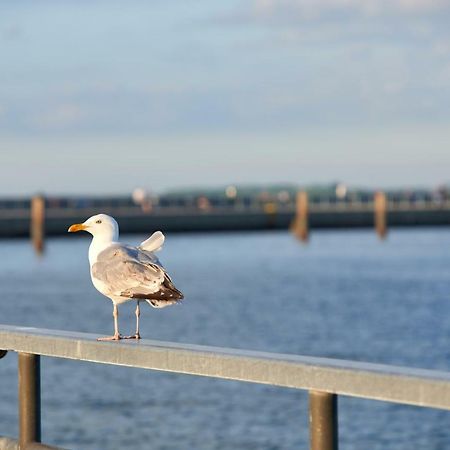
[
  {"x": 317, "y": 20},
  {"x": 292, "y": 64},
  {"x": 331, "y": 23},
  {"x": 317, "y": 99},
  {"x": 316, "y": 9},
  {"x": 60, "y": 116},
  {"x": 12, "y": 32}
]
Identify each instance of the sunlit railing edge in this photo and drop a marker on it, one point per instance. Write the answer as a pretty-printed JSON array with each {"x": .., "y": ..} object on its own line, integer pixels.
[
  {"x": 420, "y": 387},
  {"x": 323, "y": 378}
]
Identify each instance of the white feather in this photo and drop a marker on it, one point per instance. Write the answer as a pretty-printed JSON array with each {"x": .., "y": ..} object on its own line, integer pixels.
[{"x": 154, "y": 243}]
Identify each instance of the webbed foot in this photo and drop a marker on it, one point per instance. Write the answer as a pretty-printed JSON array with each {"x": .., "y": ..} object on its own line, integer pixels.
[
  {"x": 116, "y": 337},
  {"x": 136, "y": 336}
]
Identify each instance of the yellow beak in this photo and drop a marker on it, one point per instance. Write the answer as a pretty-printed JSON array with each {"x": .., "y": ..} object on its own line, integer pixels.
[{"x": 76, "y": 227}]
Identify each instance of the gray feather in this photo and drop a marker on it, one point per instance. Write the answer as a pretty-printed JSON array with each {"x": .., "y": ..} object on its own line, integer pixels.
[{"x": 135, "y": 273}]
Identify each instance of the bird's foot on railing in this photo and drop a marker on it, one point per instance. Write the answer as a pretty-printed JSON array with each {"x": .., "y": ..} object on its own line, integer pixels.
[
  {"x": 116, "y": 337},
  {"x": 134, "y": 336}
]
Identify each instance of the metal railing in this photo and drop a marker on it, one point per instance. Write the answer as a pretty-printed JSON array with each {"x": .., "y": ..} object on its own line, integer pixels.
[{"x": 324, "y": 378}]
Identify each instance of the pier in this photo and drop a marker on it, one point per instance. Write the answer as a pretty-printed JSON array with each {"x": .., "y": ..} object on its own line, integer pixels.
[
  {"x": 319, "y": 213},
  {"x": 325, "y": 379}
]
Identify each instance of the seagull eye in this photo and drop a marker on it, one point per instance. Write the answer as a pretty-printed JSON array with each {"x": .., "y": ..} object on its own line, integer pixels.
[{"x": 98, "y": 221}]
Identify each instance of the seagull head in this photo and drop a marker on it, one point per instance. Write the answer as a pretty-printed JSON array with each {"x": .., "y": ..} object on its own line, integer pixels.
[{"x": 100, "y": 226}]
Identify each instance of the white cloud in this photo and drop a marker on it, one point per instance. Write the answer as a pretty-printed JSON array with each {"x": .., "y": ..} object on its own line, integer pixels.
[
  {"x": 313, "y": 9},
  {"x": 11, "y": 32},
  {"x": 275, "y": 70},
  {"x": 60, "y": 116},
  {"x": 442, "y": 47}
]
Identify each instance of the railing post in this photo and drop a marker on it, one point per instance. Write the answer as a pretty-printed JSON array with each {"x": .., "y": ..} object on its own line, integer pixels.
[
  {"x": 323, "y": 424},
  {"x": 29, "y": 399}
]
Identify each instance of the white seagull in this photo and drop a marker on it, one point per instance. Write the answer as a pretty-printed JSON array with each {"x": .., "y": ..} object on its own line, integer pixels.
[{"x": 122, "y": 272}]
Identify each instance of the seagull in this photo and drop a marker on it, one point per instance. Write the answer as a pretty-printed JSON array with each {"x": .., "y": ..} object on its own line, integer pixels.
[{"x": 123, "y": 273}]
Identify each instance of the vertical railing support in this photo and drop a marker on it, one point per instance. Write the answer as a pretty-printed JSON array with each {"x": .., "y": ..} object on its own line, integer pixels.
[
  {"x": 323, "y": 424},
  {"x": 29, "y": 399}
]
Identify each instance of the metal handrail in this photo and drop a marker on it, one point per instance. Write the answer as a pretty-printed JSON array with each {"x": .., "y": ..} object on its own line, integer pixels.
[{"x": 324, "y": 378}]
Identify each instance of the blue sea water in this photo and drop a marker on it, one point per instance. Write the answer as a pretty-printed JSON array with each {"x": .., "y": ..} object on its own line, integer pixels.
[{"x": 344, "y": 295}]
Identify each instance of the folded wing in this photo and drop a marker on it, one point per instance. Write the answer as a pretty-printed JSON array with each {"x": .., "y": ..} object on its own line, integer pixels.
[{"x": 132, "y": 273}]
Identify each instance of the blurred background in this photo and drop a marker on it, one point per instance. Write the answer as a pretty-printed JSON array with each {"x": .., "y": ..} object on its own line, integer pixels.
[{"x": 236, "y": 129}]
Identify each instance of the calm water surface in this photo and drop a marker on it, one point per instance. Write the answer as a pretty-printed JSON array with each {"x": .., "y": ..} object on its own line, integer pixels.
[{"x": 344, "y": 295}]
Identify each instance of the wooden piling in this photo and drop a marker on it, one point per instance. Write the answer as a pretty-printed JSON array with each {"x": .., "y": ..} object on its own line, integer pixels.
[
  {"x": 380, "y": 214},
  {"x": 270, "y": 208},
  {"x": 37, "y": 223},
  {"x": 300, "y": 226}
]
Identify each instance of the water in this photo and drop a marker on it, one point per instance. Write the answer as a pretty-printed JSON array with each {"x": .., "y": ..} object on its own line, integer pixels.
[{"x": 345, "y": 295}]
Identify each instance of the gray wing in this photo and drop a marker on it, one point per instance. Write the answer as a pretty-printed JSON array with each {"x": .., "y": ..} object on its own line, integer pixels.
[{"x": 134, "y": 273}]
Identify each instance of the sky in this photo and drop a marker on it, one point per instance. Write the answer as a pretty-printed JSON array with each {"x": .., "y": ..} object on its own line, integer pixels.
[{"x": 106, "y": 96}]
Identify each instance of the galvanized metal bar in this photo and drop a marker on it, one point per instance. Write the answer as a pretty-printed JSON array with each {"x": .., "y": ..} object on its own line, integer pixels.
[
  {"x": 323, "y": 422},
  {"x": 375, "y": 381},
  {"x": 29, "y": 399},
  {"x": 39, "y": 446},
  {"x": 7, "y": 443}
]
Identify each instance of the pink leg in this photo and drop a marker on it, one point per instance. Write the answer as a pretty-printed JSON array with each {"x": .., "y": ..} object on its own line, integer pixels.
[
  {"x": 117, "y": 335},
  {"x": 138, "y": 313}
]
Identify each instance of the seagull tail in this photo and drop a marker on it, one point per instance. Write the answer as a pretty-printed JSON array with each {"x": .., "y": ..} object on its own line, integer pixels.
[
  {"x": 154, "y": 243},
  {"x": 167, "y": 295}
]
